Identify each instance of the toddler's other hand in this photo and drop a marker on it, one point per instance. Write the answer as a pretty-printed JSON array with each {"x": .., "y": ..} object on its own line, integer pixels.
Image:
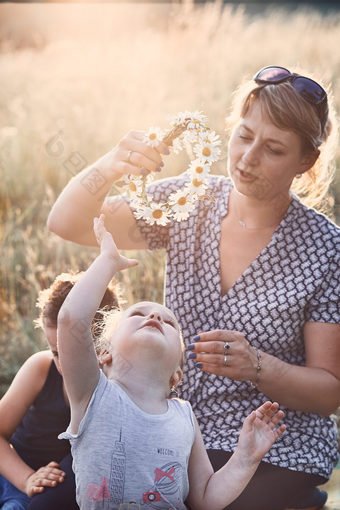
[{"x": 260, "y": 430}]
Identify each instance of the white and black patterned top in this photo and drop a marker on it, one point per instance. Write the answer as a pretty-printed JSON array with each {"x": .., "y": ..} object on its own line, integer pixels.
[{"x": 295, "y": 279}]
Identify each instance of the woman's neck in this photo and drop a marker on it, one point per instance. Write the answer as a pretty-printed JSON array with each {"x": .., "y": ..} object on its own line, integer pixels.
[{"x": 252, "y": 214}]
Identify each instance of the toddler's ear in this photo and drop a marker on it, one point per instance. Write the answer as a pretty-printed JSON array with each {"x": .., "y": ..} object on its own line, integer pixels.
[
  {"x": 176, "y": 378},
  {"x": 105, "y": 359}
]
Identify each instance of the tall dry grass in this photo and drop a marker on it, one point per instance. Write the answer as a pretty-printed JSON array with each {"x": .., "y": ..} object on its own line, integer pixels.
[{"x": 75, "y": 78}]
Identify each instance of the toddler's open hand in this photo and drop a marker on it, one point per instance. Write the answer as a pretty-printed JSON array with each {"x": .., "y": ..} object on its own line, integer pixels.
[
  {"x": 108, "y": 246},
  {"x": 260, "y": 431}
]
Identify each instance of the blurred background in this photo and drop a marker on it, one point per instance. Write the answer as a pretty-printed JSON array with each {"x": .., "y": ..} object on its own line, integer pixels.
[{"x": 76, "y": 77}]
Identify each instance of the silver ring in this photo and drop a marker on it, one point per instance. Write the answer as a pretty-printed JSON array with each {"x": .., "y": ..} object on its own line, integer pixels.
[
  {"x": 226, "y": 347},
  {"x": 129, "y": 156},
  {"x": 225, "y": 360}
]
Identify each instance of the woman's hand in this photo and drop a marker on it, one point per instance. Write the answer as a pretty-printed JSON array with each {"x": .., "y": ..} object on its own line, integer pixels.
[
  {"x": 132, "y": 155},
  {"x": 226, "y": 353},
  {"x": 46, "y": 476},
  {"x": 260, "y": 431},
  {"x": 108, "y": 246}
]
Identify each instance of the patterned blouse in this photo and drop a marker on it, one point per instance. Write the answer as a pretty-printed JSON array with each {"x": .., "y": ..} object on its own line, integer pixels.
[{"x": 295, "y": 279}]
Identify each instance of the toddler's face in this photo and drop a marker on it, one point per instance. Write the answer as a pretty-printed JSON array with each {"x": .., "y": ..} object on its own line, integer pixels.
[{"x": 150, "y": 324}]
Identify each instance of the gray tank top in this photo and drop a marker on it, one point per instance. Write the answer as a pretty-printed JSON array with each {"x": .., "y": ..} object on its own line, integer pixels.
[{"x": 126, "y": 459}]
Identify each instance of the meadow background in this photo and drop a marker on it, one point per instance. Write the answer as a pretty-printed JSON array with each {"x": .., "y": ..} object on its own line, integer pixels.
[{"x": 75, "y": 78}]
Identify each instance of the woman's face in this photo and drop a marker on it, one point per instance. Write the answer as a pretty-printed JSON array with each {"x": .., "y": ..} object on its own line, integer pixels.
[{"x": 264, "y": 159}]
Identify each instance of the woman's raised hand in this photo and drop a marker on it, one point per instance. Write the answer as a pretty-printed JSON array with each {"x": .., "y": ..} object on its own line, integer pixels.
[
  {"x": 260, "y": 431},
  {"x": 132, "y": 155},
  {"x": 226, "y": 353},
  {"x": 46, "y": 476},
  {"x": 108, "y": 246}
]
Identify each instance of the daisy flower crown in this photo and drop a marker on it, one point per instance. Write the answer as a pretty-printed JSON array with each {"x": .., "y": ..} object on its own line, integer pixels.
[{"x": 188, "y": 130}]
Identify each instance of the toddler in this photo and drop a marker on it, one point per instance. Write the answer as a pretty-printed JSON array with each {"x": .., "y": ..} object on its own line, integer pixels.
[{"x": 132, "y": 446}]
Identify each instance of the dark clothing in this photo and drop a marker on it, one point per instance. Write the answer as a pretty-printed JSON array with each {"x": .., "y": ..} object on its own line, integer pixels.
[
  {"x": 36, "y": 438},
  {"x": 272, "y": 487},
  {"x": 36, "y": 441}
]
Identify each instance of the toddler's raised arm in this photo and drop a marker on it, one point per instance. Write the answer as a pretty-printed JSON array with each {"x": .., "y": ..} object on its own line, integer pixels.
[{"x": 75, "y": 343}]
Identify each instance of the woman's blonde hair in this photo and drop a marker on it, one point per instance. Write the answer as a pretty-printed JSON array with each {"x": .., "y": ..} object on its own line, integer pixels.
[{"x": 316, "y": 126}]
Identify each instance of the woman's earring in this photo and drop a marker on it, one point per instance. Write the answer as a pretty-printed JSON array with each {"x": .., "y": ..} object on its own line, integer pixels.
[
  {"x": 173, "y": 392},
  {"x": 298, "y": 176}
]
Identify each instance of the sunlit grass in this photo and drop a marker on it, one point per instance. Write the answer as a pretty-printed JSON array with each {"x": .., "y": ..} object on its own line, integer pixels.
[{"x": 75, "y": 78}]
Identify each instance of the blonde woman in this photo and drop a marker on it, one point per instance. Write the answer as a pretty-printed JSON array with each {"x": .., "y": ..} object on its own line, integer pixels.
[{"x": 253, "y": 279}]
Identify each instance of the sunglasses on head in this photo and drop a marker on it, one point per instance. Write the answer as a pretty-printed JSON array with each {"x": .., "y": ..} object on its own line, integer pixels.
[{"x": 309, "y": 89}]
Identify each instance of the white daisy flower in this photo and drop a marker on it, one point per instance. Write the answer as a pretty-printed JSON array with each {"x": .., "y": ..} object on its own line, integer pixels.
[
  {"x": 178, "y": 119},
  {"x": 196, "y": 120},
  {"x": 207, "y": 151},
  {"x": 196, "y": 186},
  {"x": 191, "y": 137},
  {"x": 153, "y": 213},
  {"x": 180, "y": 215},
  {"x": 134, "y": 185},
  {"x": 153, "y": 136},
  {"x": 138, "y": 204},
  {"x": 199, "y": 169},
  {"x": 182, "y": 201},
  {"x": 149, "y": 178},
  {"x": 210, "y": 137}
]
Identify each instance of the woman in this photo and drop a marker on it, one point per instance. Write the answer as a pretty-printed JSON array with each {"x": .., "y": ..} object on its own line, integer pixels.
[{"x": 256, "y": 271}]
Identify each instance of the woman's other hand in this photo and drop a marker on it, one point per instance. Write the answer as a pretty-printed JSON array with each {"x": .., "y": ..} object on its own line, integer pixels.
[{"x": 226, "y": 353}]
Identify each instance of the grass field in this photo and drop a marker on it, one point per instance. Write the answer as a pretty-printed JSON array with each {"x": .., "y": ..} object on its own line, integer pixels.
[{"x": 75, "y": 78}]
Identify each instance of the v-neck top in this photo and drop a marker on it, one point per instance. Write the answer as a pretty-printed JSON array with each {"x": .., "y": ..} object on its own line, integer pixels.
[{"x": 293, "y": 280}]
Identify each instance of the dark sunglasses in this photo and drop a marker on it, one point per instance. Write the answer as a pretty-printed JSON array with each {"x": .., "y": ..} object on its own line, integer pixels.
[{"x": 309, "y": 89}]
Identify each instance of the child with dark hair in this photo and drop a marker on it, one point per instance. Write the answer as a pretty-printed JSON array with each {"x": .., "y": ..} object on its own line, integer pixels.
[{"x": 34, "y": 463}]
